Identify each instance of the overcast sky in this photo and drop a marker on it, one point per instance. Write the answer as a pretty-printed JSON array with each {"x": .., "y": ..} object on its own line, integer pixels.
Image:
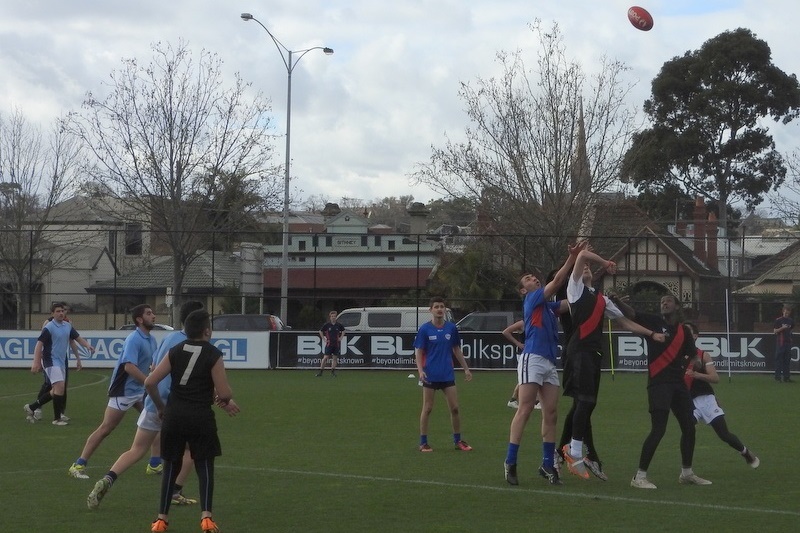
[{"x": 363, "y": 117}]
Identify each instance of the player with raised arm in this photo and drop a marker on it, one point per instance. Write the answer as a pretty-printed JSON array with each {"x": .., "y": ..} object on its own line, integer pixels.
[
  {"x": 536, "y": 368},
  {"x": 583, "y": 357},
  {"x": 666, "y": 390}
]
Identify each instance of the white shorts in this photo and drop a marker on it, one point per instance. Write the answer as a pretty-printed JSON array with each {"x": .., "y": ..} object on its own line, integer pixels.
[
  {"x": 123, "y": 403},
  {"x": 706, "y": 408},
  {"x": 55, "y": 374},
  {"x": 149, "y": 420},
  {"x": 533, "y": 368}
]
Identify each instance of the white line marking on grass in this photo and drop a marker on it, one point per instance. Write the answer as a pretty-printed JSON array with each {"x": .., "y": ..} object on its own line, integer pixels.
[
  {"x": 550, "y": 492},
  {"x": 69, "y": 387}
]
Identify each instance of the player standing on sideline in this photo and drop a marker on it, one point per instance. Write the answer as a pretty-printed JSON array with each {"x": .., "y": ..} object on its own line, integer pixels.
[
  {"x": 436, "y": 344},
  {"x": 536, "y": 368},
  {"x": 583, "y": 356},
  {"x": 197, "y": 373},
  {"x": 783, "y": 345},
  {"x": 699, "y": 377},
  {"x": 50, "y": 355},
  {"x": 149, "y": 425},
  {"x": 127, "y": 384},
  {"x": 331, "y": 334},
  {"x": 666, "y": 390}
]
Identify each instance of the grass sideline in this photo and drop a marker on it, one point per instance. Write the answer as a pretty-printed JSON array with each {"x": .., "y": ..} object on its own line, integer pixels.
[{"x": 339, "y": 454}]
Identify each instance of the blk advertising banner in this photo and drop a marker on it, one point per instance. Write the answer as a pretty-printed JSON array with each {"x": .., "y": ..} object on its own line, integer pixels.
[
  {"x": 240, "y": 349},
  {"x": 741, "y": 352}
]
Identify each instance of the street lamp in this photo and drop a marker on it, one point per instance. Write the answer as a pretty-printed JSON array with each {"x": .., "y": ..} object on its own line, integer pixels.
[{"x": 290, "y": 63}]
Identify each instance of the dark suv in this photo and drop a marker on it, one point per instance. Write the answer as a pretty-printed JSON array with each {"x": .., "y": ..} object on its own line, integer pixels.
[{"x": 247, "y": 323}]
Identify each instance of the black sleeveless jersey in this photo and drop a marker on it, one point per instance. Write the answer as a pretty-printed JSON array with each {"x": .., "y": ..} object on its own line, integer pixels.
[
  {"x": 192, "y": 387},
  {"x": 587, "y": 323}
]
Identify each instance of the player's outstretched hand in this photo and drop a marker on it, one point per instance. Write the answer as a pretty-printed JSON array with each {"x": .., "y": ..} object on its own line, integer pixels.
[{"x": 231, "y": 408}]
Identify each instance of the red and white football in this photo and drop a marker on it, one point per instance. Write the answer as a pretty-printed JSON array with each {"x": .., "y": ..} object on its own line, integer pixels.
[{"x": 640, "y": 18}]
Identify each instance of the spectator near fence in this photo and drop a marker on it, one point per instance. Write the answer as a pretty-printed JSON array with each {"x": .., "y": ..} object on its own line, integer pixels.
[{"x": 783, "y": 344}]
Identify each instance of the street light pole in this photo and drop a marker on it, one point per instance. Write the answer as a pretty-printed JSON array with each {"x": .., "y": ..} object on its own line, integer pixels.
[{"x": 290, "y": 63}]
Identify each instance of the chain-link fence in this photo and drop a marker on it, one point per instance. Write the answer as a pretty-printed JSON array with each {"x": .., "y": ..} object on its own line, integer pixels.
[{"x": 739, "y": 283}]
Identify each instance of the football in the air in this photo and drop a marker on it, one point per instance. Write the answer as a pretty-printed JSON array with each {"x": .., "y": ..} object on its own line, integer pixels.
[{"x": 640, "y": 18}]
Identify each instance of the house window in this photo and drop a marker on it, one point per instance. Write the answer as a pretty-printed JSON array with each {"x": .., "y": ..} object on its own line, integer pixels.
[
  {"x": 390, "y": 244},
  {"x": 112, "y": 243},
  {"x": 301, "y": 245},
  {"x": 391, "y": 258},
  {"x": 133, "y": 239},
  {"x": 377, "y": 240},
  {"x": 364, "y": 241},
  {"x": 329, "y": 241}
]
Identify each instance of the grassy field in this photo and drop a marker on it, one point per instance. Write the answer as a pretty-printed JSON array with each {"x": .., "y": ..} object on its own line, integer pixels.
[{"x": 340, "y": 454}]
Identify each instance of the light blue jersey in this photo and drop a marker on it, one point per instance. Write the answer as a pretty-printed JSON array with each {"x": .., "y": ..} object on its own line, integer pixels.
[
  {"x": 55, "y": 338},
  {"x": 169, "y": 342},
  {"x": 137, "y": 350}
]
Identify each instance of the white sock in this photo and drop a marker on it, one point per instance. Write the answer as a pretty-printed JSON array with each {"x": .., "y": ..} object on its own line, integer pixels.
[
  {"x": 576, "y": 448},
  {"x": 744, "y": 451},
  {"x": 687, "y": 471},
  {"x": 641, "y": 474}
]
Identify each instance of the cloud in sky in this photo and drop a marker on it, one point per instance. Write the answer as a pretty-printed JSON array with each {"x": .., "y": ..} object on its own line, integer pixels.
[{"x": 362, "y": 118}]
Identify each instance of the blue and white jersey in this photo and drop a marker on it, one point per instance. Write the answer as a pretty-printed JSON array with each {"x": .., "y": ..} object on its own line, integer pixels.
[
  {"x": 169, "y": 342},
  {"x": 541, "y": 325},
  {"x": 437, "y": 350},
  {"x": 137, "y": 350},
  {"x": 55, "y": 338}
]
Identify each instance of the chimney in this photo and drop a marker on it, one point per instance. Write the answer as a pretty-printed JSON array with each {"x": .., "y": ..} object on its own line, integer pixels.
[
  {"x": 680, "y": 228},
  {"x": 419, "y": 220},
  {"x": 700, "y": 229},
  {"x": 711, "y": 241},
  {"x": 330, "y": 210}
]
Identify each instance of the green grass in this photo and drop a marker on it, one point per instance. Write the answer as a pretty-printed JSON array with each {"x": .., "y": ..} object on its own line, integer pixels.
[{"x": 322, "y": 454}]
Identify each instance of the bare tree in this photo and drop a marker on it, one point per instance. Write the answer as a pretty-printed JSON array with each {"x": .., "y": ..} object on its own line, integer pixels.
[
  {"x": 161, "y": 135},
  {"x": 37, "y": 171},
  {"x": 541, "y": 142},
  {"x": 786, "y": 202}
]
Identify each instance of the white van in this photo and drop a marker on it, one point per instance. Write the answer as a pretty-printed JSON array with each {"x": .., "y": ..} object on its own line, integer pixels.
[{"x": 386, "y": 318}]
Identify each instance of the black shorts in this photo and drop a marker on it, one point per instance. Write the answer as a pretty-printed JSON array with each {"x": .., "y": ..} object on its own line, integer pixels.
[
  {"x": 198, "y": 432},
  {"x": 581, "y": 376},
  {"x": 438, "y": 385},
  {"x": 335, "y": 351},
  {"x": 670, "y": 396}
]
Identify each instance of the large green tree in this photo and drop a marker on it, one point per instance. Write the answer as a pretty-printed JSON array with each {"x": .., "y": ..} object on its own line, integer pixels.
[{"x": 709, "y": 133}]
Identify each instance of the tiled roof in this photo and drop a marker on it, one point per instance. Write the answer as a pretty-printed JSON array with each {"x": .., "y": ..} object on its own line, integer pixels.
[
  {"x": 618, "y": 223},
  {"x": 351, "y": 278},
  {"x": 201, "y": 274},
  {"x": 774, "y": 267}
]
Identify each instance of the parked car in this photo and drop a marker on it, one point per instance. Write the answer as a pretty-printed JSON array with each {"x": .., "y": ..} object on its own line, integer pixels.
[
  {"x": 247, "y": 323},
  {"x": 162, "y": 327},
  {"x": 488, "y": 320},
  {"x": 386, "y": 318}
]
